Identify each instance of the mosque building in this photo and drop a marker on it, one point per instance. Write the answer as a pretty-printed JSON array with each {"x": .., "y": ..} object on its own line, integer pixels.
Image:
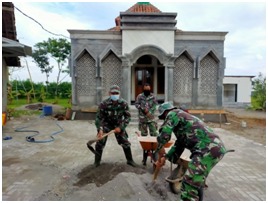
[{"x": 145, "y": 46}]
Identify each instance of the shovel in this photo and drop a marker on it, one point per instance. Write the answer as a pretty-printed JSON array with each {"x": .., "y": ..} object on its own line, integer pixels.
[
  {"x": 161, "y": 161},
  {"x": 90, "y": 142}
]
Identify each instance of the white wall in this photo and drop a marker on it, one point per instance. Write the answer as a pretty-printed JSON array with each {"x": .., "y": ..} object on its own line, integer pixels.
[
  {"x": 244, "y": 87},
  {"x": 132, "y": 39}
]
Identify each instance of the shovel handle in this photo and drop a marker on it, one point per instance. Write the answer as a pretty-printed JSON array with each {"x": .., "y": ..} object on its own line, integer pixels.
[
  {"x": 137, "y": 133},
  {"x": 105, "y": 135}
]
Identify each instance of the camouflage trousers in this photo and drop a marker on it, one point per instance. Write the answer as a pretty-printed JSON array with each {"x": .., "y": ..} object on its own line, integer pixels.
[
  {"x": 122, "y": 139},
  {"x": 143, "y": 127},
  {"x": 198, "y": 170}
]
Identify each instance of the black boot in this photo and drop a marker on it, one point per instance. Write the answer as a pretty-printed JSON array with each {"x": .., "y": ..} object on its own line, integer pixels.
[
  {"x": 98, "y": 155},
  {"x": 128, "y": 155},
  {"x": 145, "y": 155}
]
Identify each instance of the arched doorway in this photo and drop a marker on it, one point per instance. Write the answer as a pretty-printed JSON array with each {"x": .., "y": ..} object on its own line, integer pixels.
[{"x": 148, "y": 69}]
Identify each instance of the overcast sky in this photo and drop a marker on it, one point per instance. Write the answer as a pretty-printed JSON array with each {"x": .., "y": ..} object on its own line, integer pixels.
[{"x": 245, "y": 45}]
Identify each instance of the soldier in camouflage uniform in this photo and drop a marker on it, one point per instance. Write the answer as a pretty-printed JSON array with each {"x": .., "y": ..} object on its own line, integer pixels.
[
  {"x": 206, "y": 147},
  {"x": 146, "y": 105},
  {"x": 113, "y": 114}
]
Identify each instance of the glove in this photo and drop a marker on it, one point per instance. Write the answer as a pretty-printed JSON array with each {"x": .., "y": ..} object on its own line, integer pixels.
[
  {"x": 100, "y": 134},
  {"x": 161, "y": 159},
  {"x": 158, "y": 154},
  {"x": 146, "y": 111},
  {"x": 150, "y": 116},
  {"x": 160, "y": 162}
]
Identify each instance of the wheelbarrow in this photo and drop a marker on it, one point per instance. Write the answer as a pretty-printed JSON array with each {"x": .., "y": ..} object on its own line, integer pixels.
[
  {"x": 176, "y": 174},
  {"x": 149, "y": 144}
]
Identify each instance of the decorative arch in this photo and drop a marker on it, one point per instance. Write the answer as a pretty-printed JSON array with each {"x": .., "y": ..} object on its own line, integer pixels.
[
  {"x": 187, "y": 53},
  {"x": 110, "y": 71},
  {"x": 159, "y": 53},
  {"x": 106, "y": 52},
  {"x": 81, "y": 53},
  {"x": 183, "y": 75},
  {"x": 212, "y": 53},
  {"x": 85, "y": 75}
]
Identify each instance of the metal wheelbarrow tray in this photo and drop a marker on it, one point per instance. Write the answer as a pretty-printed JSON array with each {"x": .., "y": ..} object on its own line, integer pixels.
[{"x": 150, "y": 143}]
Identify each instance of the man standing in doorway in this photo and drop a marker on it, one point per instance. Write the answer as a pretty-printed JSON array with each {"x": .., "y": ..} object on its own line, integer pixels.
[{"x": 146, "y": 105}]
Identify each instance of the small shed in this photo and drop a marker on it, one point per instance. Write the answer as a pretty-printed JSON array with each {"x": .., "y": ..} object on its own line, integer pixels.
[{"x": 237, "y": 90}]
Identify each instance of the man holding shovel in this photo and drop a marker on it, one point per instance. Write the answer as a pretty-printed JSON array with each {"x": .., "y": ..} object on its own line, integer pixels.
[
  {"x": 206, "y": 147},
  {"x": 113, "y": 114}
]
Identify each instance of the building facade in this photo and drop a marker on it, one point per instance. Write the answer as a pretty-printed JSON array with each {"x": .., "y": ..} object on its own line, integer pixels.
[
  {"x": 146, "y": 47},
  {"x": 237, "y": 91}
]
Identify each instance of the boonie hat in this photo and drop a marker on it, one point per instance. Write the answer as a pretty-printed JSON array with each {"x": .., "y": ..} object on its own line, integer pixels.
[
  {"x": 115, "y": 89},
  {"x": 164, "y": 107}
]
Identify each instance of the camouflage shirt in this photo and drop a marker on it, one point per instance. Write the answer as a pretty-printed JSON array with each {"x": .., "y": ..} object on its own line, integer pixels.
[
  {"x": 142, "y": 102},
  {"x": 190, "y": 131},
  {"x": 113, "y": 114}
]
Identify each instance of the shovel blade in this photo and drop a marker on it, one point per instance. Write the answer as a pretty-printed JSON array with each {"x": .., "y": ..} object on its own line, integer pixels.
[
  {"x": 91, "y": 148},
  {"x": 90, "y": 142}
]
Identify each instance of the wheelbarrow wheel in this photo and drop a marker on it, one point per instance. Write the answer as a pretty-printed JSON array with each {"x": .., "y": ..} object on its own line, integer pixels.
[{"x": 176, "y": 174}]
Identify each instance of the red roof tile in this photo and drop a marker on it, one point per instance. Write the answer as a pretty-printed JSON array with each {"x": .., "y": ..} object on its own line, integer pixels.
[
  {"x": 143, "y": 7},
  {"x": 140, "y": 7}
]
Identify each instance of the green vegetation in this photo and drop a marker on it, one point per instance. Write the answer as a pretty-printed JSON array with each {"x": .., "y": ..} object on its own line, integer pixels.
[
  {"x": 258, "y": 98},
  {"x": 20, "y": 94},
  {"x": 23, "y": 90},
  {"x": 18, "y": 113},
  {"x": 13, "y": 112},
  {"x": 57, "y": 49},
  {"x": 21, "y": 102}
]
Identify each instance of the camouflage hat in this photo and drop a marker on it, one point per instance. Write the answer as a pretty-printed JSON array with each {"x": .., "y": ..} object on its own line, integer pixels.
[
  {"x": 164, "y": 107},
  {"x": 115, "y": 88}
]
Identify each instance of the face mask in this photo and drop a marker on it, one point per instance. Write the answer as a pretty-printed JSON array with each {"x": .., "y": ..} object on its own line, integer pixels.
[
  {"x": 115, "y": 97},
  {"x": 146, "y": 92}
]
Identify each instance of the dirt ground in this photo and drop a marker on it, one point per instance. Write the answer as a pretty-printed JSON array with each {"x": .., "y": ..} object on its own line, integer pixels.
[
  {"x": 254, "y": 122},
  {"x": 117, "y": 181}
]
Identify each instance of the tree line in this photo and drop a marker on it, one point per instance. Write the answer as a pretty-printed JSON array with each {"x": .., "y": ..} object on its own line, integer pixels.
[
  {"x": 38, "y": 91},
  {"x": 57, "y": 50}
]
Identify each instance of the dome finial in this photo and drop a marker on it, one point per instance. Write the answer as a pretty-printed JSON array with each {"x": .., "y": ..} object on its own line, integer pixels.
[{"x": 143, "y": 3}]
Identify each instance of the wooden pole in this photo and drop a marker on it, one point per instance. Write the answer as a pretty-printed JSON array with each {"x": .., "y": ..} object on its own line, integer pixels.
[{"x": 30, "y": 77}]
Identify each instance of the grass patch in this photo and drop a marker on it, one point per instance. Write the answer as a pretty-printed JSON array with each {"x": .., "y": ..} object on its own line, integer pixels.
[
  {"x": 13, "y": 112},
  {"x": 19, "y": 113},
  {"x": 20, "y": 102}
]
